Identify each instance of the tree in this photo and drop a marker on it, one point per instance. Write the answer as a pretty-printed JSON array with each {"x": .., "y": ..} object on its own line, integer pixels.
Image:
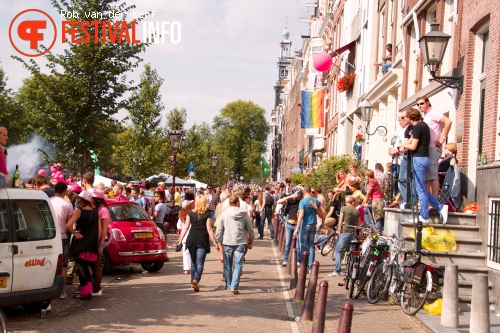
[
  {"x": 141, "y": 147},
  {"x": 74, "y": 104},
  {"x": 240, "y": 133},
  {"x": 12, "y": 115}
]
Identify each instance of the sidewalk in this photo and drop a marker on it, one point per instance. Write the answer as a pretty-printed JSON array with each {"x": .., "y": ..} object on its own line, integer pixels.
[{"x": 137, "y": 301}]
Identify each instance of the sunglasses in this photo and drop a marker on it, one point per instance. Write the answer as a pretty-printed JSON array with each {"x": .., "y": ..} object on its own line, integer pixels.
[
  {"x": 209, "y": 188},
  {"x": 401, "y": 118},
  {"x": 422, "y": 103}
]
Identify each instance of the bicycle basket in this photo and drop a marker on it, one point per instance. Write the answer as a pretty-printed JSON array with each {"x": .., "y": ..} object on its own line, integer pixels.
[{"x": 414, "y": 272}]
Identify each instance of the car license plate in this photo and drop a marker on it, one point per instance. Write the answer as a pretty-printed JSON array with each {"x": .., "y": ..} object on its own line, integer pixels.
[
  {"x": 3, "y": 282},
  {"x": 143, "y": 235}
]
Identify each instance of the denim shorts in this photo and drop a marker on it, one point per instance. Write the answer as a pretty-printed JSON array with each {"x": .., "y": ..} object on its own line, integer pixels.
[
  {"x": 434, "y": 155},
  {"x": 65, "y": 246}
]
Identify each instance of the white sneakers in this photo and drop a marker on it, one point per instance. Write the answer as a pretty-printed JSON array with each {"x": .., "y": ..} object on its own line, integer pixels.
[
  {"x": 333, "y": 274},
  {"x": 444, "y": 213},
  {"x": 421, "y": 219},
  {"x": 63, "y": 295}
]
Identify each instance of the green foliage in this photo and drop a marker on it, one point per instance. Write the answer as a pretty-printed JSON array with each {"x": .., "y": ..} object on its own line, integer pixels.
[
  {"x": 324, "y": 176},
  {"x": 141, "y": 147},
  {"x": 12, "y": 115},
  {"x": 73, "y": 105},
  {"x": 298, "y": 178},
  {"x": 240, "y": 134}
]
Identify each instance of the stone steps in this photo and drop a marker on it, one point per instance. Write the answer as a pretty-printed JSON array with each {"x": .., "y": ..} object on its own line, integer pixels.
[{"x": 460, "y": 230}]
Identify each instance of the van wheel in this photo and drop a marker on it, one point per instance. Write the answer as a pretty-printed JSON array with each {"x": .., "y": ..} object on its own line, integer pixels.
[
  {"x": 34, "y": 307},
  {"x": 106, "y": 264},
  {"x": 3, "y": 322},
  {"x": 152, "y": 266}
]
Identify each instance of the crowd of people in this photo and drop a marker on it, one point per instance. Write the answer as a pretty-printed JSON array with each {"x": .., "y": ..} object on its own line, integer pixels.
[{"x": 226, "y": 216}]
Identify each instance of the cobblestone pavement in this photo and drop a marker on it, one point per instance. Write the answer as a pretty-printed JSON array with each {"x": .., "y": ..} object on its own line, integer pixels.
[{"x": 136, "y": 301}]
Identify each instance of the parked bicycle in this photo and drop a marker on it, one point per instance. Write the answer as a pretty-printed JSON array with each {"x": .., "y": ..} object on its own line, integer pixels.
[
  {"x": 326, "y": 244},
  {"x": 386, "y": 278},
  {"x": 372, "y": 259}
]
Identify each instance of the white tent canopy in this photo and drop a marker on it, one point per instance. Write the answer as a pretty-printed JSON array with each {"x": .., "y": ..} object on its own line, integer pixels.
[{"x": 100, "y": 179}]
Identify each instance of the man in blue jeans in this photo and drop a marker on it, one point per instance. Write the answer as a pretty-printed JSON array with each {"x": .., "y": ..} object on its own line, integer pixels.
[
  {"x": 346, "y": 228},
  {"x": 292, "y": 202},
  {"x": 309, "y": 207},
  {"x": 234, "y": 231}
]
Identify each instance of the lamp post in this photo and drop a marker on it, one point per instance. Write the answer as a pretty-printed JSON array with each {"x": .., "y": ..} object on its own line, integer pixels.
[
  {"x": 213, "y": 159},
  {"x": 226, "y": 172},
  {"x": 175, "y": 136},
  {"x": 367, "y": 114},
  {"x": 232, "y": 175},
  {"x": 433, "y": 45}
]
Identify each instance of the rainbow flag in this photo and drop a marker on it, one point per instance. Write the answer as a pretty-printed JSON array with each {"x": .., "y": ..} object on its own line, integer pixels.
[{"x": 312, "y": 109}]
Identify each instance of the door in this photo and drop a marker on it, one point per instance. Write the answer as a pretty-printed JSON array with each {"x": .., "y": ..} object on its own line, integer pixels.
[
  {"x": 6, "y": 259},
  {"x": 38, "y": 244}
]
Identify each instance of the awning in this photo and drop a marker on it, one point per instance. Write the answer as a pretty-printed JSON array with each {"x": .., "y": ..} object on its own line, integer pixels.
[{"x": 344, "y": 48}]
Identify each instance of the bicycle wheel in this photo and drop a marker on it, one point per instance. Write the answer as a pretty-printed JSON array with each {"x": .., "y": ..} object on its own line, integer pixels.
[
  {"x": 348, "y": 271},
  {"x": 413, "y": 296},
  {"x": 379, "y": 281},
  {"x": 326, "y": 247},
  {"x": 335, "y": 239},
  {"x": 359, "y": 285},
  {"x": 3, "y": 322},
  {"x": 351, "y": 287}
]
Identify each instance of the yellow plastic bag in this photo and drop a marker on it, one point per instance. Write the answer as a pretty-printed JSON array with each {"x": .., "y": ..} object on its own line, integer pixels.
[
  {"x": 437, "y": 241},
  {"x": 435, "y": 307}
]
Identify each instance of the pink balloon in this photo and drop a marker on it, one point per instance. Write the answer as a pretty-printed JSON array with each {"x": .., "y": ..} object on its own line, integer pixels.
[
  {"x": 68, "y": 181},
  {"x": 42, "y": 172},
  {"x": 322, "y": 61},
  {"x": 53, "y": 169}
]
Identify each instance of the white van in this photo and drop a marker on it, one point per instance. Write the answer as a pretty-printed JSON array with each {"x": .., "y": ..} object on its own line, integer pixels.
[{"x": 30, "y": 249}]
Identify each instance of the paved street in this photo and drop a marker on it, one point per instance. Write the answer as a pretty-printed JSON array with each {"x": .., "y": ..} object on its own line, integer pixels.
[{"x": 134, "y": 301}]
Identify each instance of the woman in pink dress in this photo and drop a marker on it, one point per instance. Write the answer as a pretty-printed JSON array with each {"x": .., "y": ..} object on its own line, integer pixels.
[{"x": 85, "y": 244}]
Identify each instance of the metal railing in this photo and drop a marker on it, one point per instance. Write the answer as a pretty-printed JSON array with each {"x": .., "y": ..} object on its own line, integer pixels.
[{"x": 493, "y": 246}]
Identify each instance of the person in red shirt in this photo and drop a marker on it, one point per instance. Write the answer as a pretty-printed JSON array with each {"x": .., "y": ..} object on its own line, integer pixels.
[{"x": 376, "y": 197}]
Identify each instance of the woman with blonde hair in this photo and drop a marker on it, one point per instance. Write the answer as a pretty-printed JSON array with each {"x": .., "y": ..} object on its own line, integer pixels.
[
  {"x": 450, "y": 150},
  {"x": 199, "y": 224},
  {"x": 186, "y": 206}
]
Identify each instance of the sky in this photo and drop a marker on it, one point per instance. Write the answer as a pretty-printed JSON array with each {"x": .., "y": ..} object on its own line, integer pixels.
[{"x": 227, "y": 50}]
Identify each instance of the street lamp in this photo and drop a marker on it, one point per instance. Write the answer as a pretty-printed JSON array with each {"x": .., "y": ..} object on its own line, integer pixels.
[
  {"x": 214, "y": 159},
  {"x": 366, "y": 115},
  {"x": 433, "y": 45},
  {"x": 226, "y": 172},
  {"x": 175, "y": 136}
]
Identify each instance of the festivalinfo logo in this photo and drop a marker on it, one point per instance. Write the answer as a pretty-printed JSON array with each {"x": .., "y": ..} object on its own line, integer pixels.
[{"x": 31, "y": 28}]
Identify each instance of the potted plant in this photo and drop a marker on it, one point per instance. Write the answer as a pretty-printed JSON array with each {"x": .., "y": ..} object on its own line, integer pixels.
[
  {"x": 359, "y": 139},
  {"x": 346, "y": 82}
]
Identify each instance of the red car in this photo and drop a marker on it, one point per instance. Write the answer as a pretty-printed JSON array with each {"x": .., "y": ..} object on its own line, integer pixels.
[{"x": 133, "y": 237}]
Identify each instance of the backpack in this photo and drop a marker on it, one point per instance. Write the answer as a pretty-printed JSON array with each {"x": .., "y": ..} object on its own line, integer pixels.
[
  {"x": 147, "y": 204},
  {"x": 269, "y": 201}
]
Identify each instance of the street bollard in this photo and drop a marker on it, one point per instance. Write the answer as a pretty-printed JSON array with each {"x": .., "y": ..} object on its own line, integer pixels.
[
  {"x": 308, "y": 306},
  {"x": 275, "y": 226},
  {"x": 301, "y": 282},
  {"x": 345, "y": 321},
  {"x": 293, "y": 269},
  {"x": 479, "y": 307},
  {"x": 319, "y": 320},
  {"x": 289, "y": 262},
  {"x": 449, "y": 312}
]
